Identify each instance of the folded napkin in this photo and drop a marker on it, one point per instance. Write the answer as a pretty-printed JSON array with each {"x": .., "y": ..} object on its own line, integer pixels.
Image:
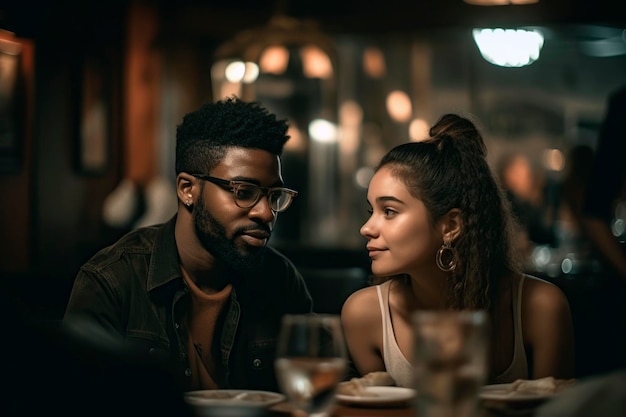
[
  {"x": 356, "y": 386},
  {"x": 547, "y": 385}
]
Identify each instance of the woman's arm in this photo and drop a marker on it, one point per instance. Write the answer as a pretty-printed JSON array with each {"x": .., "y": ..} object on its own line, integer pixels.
[
  {"x": 362, "y": 328},
  {"x": 548, "y": 330}
]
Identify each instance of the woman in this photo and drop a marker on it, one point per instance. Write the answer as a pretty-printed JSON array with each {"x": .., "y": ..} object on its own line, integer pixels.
[{"x": 439, "y": 237}]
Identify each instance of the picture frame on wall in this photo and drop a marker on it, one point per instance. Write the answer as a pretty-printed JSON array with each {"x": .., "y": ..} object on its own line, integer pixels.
[
  {"x": 93, "y": 135},
  {"x": 12, "y": 104}
]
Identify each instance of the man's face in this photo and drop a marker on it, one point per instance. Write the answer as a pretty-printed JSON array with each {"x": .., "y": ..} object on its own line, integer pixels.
[{"x": 235, "y": 235}]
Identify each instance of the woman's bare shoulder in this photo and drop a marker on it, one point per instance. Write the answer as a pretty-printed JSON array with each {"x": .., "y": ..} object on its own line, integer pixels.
[
  {"x": 362, "y": 303},
  {"x": 542, "y": 296}
]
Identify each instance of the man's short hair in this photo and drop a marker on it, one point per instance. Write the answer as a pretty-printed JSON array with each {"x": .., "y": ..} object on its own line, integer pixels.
[{"x": 205, "y": 134}]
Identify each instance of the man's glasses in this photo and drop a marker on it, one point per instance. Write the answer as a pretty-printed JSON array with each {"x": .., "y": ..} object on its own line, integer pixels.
[{"x": 246, "y": 194}]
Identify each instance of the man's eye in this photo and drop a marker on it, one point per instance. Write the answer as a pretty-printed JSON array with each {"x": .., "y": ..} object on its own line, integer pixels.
[{"x": 245, "y": 192}]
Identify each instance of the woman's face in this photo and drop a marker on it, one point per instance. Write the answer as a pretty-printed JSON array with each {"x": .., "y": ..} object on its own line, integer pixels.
[{"x": 400, "y": 236}]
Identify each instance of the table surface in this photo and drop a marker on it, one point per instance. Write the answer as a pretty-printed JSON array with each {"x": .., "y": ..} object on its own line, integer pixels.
[{"x": 341, "y": 410}]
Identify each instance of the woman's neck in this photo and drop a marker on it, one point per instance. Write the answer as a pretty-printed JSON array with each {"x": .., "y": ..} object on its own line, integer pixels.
[{"x": 426, "y": 292}]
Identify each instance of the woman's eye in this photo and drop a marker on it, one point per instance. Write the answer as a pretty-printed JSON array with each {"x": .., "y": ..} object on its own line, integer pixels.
[{"x": 389, "y": 212}]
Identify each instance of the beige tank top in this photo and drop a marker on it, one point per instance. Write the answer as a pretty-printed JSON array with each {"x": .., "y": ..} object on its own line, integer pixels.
[
  {"x": 518, "y": 369},
  {"x": 401, "y": 369}
]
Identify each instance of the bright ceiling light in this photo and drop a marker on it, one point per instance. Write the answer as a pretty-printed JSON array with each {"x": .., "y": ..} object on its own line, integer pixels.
[
  {"x": 509, "y": 47},
  {"x": 235, "y": 71},
  {"x": 323, "y": 131}
]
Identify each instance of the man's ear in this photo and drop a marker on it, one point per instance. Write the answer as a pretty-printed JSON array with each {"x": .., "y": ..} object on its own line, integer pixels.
[
  {"x": 452, "y": 225},
  {"x": 186, "y": 188}
]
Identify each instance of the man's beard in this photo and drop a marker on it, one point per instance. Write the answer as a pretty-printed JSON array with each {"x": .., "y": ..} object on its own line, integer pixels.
[{"x": 212, "y": 236}]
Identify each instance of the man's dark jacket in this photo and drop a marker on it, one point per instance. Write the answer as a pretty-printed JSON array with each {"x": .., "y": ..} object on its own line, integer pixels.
[{"x": 134, "y": 288}]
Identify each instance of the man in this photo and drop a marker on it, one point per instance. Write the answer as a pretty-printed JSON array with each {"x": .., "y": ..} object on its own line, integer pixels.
[{"x": 204, "y": 290}]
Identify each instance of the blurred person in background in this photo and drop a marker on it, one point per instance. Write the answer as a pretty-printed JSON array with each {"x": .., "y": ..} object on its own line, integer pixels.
[
  {"x": 204, "y": 291},
  {"x": 525, "y": 192},
  {"x": 605, "y": 194},
  {"x": 572, "y": 188},
  {"x": 607, "y": 184},
  {"x": 440, "y": 237}
]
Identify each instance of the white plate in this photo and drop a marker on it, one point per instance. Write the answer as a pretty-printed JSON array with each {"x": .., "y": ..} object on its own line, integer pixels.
[
  {"x": 502, "y": 392},
  {"x": 226, "y": 397},
  {"x": 380, "y": 396}
]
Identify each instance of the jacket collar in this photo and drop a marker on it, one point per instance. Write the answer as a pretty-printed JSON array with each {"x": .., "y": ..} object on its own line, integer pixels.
[{"x": 164, "y": 261}]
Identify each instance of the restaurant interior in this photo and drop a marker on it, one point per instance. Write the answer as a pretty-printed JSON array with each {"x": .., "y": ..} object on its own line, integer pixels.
[{"x": 92, "y": 94}]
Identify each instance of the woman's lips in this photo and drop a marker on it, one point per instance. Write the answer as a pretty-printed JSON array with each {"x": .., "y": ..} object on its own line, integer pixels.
[{"x": 373, "y": 251}]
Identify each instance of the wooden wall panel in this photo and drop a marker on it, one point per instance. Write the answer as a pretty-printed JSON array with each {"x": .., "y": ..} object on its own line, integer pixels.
[{"x": 16, "y": 184}]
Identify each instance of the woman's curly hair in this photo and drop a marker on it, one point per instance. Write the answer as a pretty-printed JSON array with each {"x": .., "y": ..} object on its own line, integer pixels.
[{"x": 449, "y": 170}]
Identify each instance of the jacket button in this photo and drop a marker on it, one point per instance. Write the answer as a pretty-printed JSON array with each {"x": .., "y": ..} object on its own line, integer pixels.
[
  {"x": 152, "y": 351},
  {"x": 187, "y": 372},
  {"x": 257, "y": 363}
]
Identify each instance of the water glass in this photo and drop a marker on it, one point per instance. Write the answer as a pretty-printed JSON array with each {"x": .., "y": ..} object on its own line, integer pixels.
[
  {"x": 311, "y": 360},
  {"x": 450, "y": 359}
]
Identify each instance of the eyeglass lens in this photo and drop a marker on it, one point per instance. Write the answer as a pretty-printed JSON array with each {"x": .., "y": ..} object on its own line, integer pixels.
[{"x": 248, "y": 195}]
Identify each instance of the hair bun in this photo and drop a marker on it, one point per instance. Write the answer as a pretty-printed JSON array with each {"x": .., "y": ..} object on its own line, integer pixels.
[{"x": 461, "y": 132}]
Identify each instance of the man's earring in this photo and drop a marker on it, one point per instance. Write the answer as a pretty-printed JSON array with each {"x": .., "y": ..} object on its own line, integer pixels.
[{"x": 188, "y": 203}]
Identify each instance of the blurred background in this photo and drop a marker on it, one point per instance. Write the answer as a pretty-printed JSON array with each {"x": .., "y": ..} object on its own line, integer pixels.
[{"x": 91, "y": 94}]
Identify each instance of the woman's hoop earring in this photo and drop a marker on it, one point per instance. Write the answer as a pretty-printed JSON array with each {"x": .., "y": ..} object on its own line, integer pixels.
[{"x": 447, "y": 257}]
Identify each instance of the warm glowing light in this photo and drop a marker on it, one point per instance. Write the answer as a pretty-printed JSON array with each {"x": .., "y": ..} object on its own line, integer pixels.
[
  {"x": 316, "y": 64},
  {"x": 363, "y": 176},
  {"x": 374, "y": 63},
  {"x": 235, "y": 71},
  {"x": 351, "y": 113},
  {"x": 399, "y": 106},
  {"x": 418, "y": 130},
  {"x": 323, "y": 131},
  {"x": 509, "y": 47},
  {"x": 228, "y": 89},
  {"x": 7, "y": 43},
  {"x": 274, "y": 60},
  {"x": 553, "y": 159},
  {"x": 218, "y": 70},
  {"x": 296, "y": 142},
  {"x": 251, "y": 73},
  {"x": 351, "y": 117}
]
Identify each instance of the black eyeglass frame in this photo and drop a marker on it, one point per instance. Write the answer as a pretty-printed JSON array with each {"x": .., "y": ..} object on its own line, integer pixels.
[{"x": 232, "y": 185}]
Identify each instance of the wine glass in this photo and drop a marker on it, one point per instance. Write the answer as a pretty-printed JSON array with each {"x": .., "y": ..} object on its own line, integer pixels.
[{"x": 311, "y": 361}]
